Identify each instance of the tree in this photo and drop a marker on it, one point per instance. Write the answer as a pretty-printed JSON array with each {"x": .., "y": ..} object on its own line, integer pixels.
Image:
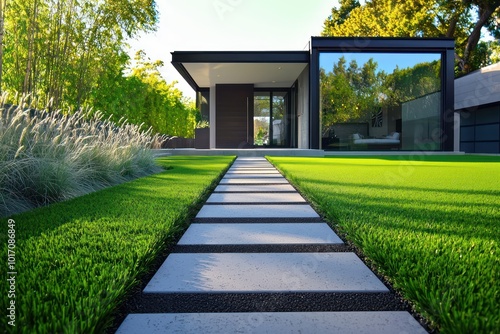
[
  {"x": 3, "y": 4},
  {"x": 339, "y": 16},
  {"x": 144, "y": 97},
  {"x": 59, "y": 50},
  {"x": 486, "y": 18},
  {"x": 350, "y": 93},
  {"x": 418, "y": 18}
]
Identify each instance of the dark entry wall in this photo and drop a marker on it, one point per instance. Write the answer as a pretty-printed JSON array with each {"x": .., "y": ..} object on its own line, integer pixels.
[{"x": 234, "y": 116}]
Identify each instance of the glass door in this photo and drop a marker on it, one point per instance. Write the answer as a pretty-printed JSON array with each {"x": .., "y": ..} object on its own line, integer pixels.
[
  {"x": 271, "y": 119},
  {"x": 279, "y": 129},
  {"x": 261, "y": 118}
]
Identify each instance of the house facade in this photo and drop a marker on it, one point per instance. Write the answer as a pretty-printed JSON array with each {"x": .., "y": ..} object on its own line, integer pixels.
[
  {"x": 342, "y": 94},
  {"x": 477, "y": 99}
]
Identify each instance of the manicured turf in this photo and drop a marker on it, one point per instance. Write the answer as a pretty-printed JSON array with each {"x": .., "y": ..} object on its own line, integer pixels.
[
  {"x": 76, "y": 260},
  {"x": 430, "y": 224}
]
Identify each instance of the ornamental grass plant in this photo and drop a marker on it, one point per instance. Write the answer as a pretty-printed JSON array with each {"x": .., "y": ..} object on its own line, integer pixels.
[{"x": 46, "y": 157}]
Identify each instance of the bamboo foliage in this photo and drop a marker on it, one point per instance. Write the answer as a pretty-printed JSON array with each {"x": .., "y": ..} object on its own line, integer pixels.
[{"x": 58, "y": 50}]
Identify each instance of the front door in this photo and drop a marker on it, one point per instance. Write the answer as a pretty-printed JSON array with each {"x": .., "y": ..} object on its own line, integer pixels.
[
  {"x": 272, "y": 119},
  {"x": 234, "y": 116}
]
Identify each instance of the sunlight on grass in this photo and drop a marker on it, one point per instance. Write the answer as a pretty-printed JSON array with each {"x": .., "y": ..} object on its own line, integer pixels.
[{"x": 430, "y": 224}]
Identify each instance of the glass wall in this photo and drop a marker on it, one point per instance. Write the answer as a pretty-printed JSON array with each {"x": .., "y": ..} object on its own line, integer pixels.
[{"x": 380, "y": 101}]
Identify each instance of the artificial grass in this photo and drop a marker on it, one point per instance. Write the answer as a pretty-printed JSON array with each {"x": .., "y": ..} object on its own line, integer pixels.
[
  {"x": 428, "y": 223},
  {"x": 76, "y": 260}
]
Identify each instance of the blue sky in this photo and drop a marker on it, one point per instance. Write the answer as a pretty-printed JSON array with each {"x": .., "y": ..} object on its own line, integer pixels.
[
  {"x": 386, "y": 62},
  {"x": 226, "y": 25}
]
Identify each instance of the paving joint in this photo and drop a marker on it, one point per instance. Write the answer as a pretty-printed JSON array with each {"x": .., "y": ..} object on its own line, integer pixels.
[
  {"x": 250, "y": 220},
  {"x": 263, "y": 248},
  {"x": 268, "y": 302}
]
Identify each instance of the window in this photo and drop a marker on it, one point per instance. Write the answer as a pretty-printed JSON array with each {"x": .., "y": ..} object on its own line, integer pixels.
[{"x": 380, "y": 101}]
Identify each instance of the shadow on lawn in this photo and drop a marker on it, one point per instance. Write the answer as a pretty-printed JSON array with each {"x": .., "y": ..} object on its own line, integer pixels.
[
  {"x": 452, "y": 217},
  {"x": 421, "y": 157},
  {"x": 389, "y": 187},
  {"x": 421, "y": 219}
]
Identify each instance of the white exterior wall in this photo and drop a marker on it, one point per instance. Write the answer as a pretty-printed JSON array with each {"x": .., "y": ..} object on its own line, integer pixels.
[
  {"x": 478, "y": 88},
  {"x": 303, "y": 109}
]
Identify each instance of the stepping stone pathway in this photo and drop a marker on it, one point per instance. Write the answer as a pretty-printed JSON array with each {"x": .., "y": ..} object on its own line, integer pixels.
[{"x": 259, "y": 259}]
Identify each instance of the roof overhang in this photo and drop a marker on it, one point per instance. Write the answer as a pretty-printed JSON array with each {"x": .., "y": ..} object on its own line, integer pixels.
[{"x": 262, "y": 68}]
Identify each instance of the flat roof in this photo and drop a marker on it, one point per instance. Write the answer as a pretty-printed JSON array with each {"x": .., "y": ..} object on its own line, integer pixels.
[
  {"x": 280, "y": 69},
  {"x": 383, "y": 44},
  {"x": 269, "y": 69}
]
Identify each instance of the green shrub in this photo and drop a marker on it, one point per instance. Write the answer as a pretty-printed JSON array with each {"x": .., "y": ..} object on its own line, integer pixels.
[{"x": 49, "y": 157}]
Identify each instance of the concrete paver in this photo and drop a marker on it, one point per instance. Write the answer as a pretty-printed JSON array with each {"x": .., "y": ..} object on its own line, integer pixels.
[
  {"x": 264, "y": 272},
  {"x": 255, "y": 180},
  {"x": 255, "y": 198},
  {"x": 257, "y": 211},
  {"x": 255, "y": 188},
  {"x": 252, "y": 171},
  {"x": 396, "y": 322},
  {"x": 253, "y": 175},
  {"x": 255, "y": 233}
]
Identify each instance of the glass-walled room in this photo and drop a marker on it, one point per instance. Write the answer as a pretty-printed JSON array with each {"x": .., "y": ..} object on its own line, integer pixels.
[{"x": 380, "y": 101}]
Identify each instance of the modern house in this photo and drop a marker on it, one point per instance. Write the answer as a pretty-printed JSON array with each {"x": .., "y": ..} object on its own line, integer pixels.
[
  {"x": 341, "y": 94},
  {"x": 477, "y": 99}
]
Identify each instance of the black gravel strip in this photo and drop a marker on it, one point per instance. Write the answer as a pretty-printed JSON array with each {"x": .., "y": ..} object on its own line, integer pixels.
[
  {"x": 256, "y": 220},
  {"x": 256, "y": 203},
  {"x": 265, "y": 302},
  {"x": 264, "y": 248}
]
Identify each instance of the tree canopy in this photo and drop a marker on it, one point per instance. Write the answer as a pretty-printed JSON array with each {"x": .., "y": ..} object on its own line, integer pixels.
[
  {"x": 72, "y": 54},
  {"x": 460, "y": 19}
]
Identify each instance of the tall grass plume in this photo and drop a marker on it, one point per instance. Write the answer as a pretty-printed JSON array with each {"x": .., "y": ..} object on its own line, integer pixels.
[{"x": 46, "y": 157}]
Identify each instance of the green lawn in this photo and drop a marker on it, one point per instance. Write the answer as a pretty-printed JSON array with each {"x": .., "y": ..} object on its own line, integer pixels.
[
  {"x": 430, "y": 224},
  {"x": 76, "y": 260}
]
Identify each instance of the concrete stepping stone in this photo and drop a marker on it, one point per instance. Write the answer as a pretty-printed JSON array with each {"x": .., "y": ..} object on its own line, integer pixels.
[
  {"x": 263, "y": 272},
  {"x": 256, "y": 166},
  {"x": 255, "y": 188},
  {"x": 253, "y": 171},
  {"x": 255, "y": 198},
  {"x": 257, "y": 211},
  {"x": 248, "y": 166},
  {"x": 386, "y": 322},
  {"x": 251, "y": 163},
  {"x": 255, "y": 180},
  {"x": 253, "y": 175},
  {"x": 256, "y": 233}
]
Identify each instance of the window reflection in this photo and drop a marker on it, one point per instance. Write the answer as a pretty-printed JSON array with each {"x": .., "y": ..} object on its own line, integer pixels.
[{"x": 380, "y": 101}]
